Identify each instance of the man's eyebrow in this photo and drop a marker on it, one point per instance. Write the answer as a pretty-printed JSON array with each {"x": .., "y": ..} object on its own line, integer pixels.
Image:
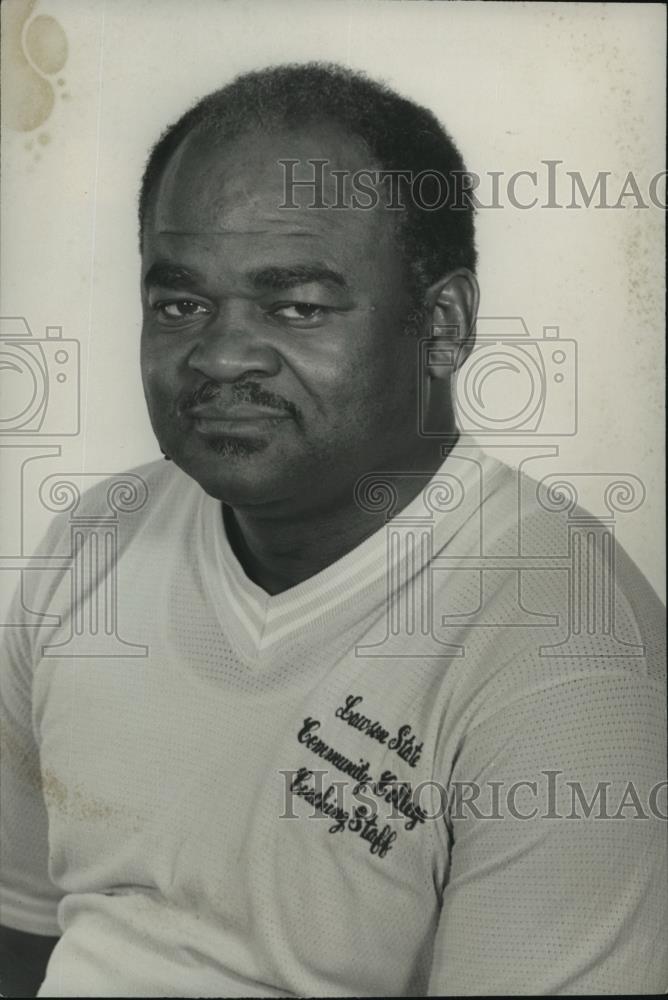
[
  {"x": 178, "y": 277},
  {"x": 170, "y": 275},
  {"x": 296, "y": 274}
]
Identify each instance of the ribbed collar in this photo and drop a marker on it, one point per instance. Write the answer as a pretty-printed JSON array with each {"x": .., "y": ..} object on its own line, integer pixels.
[{"x": 354, "y": 584}]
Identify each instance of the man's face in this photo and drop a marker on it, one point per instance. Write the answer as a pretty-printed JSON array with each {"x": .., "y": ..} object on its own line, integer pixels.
[{"x": 274, "y": 361}]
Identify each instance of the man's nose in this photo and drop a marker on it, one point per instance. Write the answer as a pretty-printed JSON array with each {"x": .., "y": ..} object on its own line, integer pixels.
[{"x": 232, "y": 346}]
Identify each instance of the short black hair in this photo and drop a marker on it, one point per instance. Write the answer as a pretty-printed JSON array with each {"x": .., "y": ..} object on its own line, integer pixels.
[{"x": 399, "y": 134}]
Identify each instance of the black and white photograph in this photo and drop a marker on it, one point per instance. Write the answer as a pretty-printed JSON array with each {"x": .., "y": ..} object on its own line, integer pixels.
[{"x": 332, "y": 478}]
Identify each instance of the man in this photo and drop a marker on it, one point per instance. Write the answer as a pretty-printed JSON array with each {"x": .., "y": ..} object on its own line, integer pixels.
[{"x": 344, "y": 766}]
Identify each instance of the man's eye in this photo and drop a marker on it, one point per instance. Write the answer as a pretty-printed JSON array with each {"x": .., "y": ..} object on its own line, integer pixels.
[
  {"x": 180, "y": 309},
  {"x": 299, "y": 311}
]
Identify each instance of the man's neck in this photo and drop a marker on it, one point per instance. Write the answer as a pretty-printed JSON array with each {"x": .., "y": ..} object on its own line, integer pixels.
[{"x": 278, "y": 554}]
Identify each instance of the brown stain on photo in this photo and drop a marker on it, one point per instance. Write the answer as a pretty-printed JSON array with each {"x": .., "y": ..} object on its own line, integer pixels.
[
  {"x": 77, "y": 803},
  {"x": 32, "y": 49}
]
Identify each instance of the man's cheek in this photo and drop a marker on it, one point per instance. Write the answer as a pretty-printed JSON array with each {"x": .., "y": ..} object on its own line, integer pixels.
[
  {"x": 161, "y": 401},
  {"x": 155, "y": 380}
]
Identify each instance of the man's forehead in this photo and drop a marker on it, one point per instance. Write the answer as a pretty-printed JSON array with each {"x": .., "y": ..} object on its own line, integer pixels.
[
  {"x": 252, "y": 183},
  {"x": 217, "y": 222},
  {"x": 222, "y": 254}
]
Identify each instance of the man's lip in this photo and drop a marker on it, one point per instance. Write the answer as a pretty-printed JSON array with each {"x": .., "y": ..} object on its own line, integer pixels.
[{"x": 236, "y": 412}]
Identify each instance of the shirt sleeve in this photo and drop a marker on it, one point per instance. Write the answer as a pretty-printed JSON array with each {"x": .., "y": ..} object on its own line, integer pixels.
[
  {"x": 557, "y": 879},
  {"x": 28, "y": 898}
]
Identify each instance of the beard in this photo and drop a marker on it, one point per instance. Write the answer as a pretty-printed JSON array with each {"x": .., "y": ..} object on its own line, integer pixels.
[{"x": 232, "y": 447}]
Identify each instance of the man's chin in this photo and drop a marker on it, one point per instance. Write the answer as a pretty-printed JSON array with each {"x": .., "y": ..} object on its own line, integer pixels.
[
  {"x": 235, "y": 470},
  {"x": 234, "y": 447}
]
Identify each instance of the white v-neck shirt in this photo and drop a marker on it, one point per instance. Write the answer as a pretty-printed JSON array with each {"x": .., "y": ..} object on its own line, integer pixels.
[{"x": 190, "y": 819}]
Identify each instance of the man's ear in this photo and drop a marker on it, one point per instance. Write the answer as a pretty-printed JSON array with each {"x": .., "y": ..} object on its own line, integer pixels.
[{"x": 453, "y": 314}]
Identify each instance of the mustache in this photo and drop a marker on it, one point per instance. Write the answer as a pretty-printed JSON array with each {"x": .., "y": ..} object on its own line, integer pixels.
[{"x": 238, "y": 392}]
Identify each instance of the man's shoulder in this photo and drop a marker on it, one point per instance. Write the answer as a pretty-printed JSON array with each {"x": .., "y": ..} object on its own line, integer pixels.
[
  {"x": 126, "y": 499},
  {"x": 130, "y": 490},
  {"x": 560, "y": 519},
  {"x": 99, "y": 519},
  {"x": 551, "y": 590}
]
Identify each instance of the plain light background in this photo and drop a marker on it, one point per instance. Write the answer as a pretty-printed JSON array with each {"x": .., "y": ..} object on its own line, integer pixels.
[{"x": 514, "y": 83}]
